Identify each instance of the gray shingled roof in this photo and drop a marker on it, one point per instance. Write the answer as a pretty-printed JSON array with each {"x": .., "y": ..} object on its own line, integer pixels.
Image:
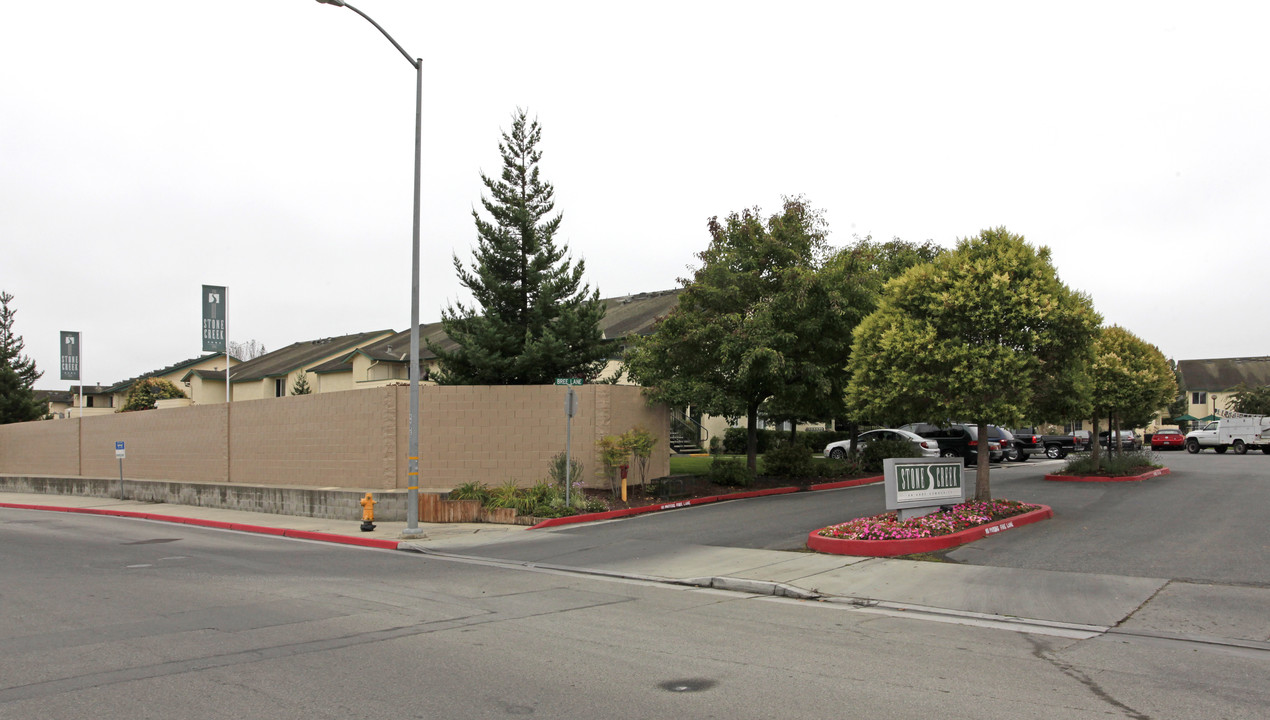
[
  {"x": 624, "y": 316},
  {"x": 636, "y": 314},
  {"x": 124, "y": 385},
  {"x": 1221, "y": 374},
  {"x": 59, "y": 396},
  {"x": 296, "y": 355}
]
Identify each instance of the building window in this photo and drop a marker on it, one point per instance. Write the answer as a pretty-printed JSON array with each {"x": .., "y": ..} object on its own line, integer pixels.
[
  {"x": 88, "y": 401},
  {"x": 1199, "y": 398},
  {"x": 280, "y": 387}
]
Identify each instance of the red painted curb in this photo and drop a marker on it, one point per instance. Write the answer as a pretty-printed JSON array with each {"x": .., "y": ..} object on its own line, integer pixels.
[
  {"x": 259, "y": 529},
  {"x": 1103, "y": 478},
  {"x": 627, "y": 512},
  {"x": 890, "y": 548},
  {"x": 219, "y": 524}
]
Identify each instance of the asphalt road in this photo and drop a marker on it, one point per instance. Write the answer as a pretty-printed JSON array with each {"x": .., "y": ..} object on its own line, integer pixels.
[
  {"x": 114, "y": 618},
  {"x": 1205, "y": 522}
]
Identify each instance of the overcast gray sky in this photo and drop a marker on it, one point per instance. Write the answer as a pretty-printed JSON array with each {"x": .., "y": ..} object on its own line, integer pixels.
[{"x": 148, "y": 147}]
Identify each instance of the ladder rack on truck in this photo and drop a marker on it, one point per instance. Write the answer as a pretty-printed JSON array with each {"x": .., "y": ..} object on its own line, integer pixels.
[{"x": 1238, "y": 431}]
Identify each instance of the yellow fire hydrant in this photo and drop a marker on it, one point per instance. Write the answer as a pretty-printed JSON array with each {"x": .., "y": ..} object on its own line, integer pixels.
[{"x": 368, "y": 513}]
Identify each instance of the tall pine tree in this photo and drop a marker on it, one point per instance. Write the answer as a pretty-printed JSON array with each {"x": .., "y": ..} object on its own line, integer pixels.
[
  {"x": 17, "y": 372},
  {"x": 533, "y": 319}
]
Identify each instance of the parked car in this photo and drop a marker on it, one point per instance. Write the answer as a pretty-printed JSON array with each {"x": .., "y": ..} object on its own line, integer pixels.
[
  {"x": 1128, "y": 440},
  {"x": 957, "y": 440},
  {"x": 1081, "y": 440},
  {"x": 1028, "y": 441},
  {"x": 1054, "y": 446},
  {"x": 838, "y": 450},
  {"x": 1012, "y": 448},
  {"x": 1168, "y": 439}
]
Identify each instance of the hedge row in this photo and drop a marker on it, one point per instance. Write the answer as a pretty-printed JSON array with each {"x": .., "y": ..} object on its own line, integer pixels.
[{"x": 734, "y": 440}]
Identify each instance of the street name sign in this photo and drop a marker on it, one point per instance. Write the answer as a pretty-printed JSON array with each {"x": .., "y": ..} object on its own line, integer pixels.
[{"x": 569, "y": 381}]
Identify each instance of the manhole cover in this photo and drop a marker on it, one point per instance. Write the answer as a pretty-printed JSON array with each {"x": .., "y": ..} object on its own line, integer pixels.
[{"x": 151, "y": 542}]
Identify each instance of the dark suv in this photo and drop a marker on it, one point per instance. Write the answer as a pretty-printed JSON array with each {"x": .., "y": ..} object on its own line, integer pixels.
[{"x": 957, "y": 440}]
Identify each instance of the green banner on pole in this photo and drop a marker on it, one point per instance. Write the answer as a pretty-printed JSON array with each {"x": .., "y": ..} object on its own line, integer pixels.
[
  {"x": 70, "y": 355},
  {"x": 213, "y": 318}
]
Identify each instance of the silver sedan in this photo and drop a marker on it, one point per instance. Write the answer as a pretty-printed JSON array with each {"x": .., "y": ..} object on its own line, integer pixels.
[{"x": 838, "y": 450}]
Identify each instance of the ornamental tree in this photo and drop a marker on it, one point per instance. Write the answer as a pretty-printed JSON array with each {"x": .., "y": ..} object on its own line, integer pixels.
[
  {"x": 301, "y": 384},
  {"x": 1131, "y": 379},
  {"x": 533, "y": 319},
  {"x": 971, "y": 337}
]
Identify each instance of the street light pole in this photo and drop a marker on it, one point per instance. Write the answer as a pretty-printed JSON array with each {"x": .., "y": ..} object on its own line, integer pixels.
[{"x": 412, "y": 468}]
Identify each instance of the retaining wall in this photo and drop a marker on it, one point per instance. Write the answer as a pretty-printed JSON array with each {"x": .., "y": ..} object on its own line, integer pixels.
[{"x": 354, "y": 440}]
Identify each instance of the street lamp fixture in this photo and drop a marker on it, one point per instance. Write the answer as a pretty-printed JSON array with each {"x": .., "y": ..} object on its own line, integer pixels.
[{"x": 412, "y": 469}]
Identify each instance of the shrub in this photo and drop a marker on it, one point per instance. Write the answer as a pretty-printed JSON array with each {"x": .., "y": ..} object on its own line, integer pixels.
[
  {"x": 831, "y": 468},
  {"x": 716, "y": 445},
  {"x": 786, "y": 460},
  {"x": 145, "y": 392},
  {"x": 874, "y": 453},
  {"x": 816, "y": 441},
  {"x": 1111, "y": 465},
  {"x": 640, "y": 442},
  {"x": 593, "y": 505},
  {"x": 556, "y": 470},
  {"x": 471, "y": 491},
  {"x": 733, "y": 473},
  {"x": 507, "y": 495}
]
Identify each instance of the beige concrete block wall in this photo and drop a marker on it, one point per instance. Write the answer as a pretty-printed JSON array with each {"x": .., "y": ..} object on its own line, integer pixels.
[
  {"x": 493, "y": 434},
  {"x": 629, "y": 409},
  {"x": 53, "y": 447},
  {"x": 345, "y": 440},
  {"x": 183, "y": 444}
]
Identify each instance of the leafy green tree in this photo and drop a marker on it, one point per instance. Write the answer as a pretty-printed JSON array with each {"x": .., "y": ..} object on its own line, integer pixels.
[
  {"x": 1131, "y": 379},
  {"x": 857, "y": 273},
  {"x": 533, "y": 319},
  {"x": 970, "y": 337},
  {"x": 758, "y": 323},
  {"x": 17, "y": 372},
  {"x": 301, "y": 384},
  {"x": 145, "y": 392},
  {"x": 1252, "y": 400}
]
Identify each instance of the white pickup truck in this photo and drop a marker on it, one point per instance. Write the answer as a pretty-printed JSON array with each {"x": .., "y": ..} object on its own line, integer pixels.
[{"x": 1236, "y": 430}]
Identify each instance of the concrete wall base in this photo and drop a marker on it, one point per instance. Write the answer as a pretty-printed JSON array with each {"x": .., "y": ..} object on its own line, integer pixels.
[{"x": 333, "y": 503}]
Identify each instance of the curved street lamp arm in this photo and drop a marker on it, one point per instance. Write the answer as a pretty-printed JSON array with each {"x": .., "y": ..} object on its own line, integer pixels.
[{"x": 414, "y": 63}]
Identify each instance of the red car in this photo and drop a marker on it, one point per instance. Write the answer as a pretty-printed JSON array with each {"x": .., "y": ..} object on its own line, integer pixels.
[{"x": 1168, "y": 439}]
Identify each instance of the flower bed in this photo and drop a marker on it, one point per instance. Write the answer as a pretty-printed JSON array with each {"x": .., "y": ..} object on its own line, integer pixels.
[{"x": 885, "y": 535}]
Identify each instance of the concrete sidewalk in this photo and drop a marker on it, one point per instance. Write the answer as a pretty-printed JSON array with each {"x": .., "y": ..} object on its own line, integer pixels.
[{"x": 1066, "y": 604}]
